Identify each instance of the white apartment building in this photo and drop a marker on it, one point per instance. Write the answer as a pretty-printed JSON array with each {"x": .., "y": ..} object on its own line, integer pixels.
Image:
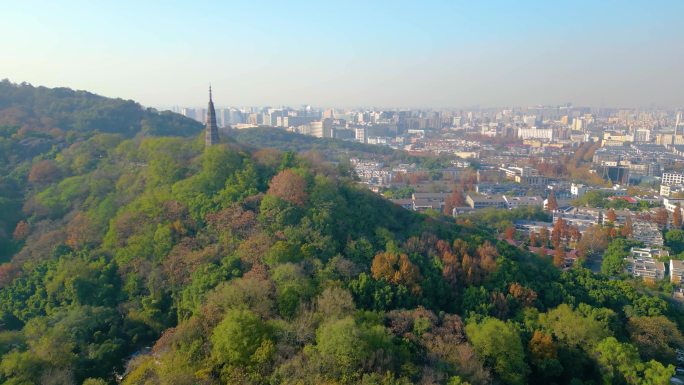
[
  {"x": 645, "y": 267},
  {"x": 676, "y": 271},
  {"x": 671, "y": 178},
  {"x": 360, "y": 135},
  {"x": 671, "y": 203},
  {"x": 578, "y": 190},
  {"x": 647, "y": 232},
  {"x": 515, "y": 202},
  {"x": 535, "y": 133}
]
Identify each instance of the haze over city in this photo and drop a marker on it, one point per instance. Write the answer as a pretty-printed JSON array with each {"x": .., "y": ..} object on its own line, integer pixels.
[
  {"x": 432, "y": 54},
  {"x": 342, "y": 192}
]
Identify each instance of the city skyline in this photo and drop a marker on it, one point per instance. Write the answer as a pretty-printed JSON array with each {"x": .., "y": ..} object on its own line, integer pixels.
[{"x": 390, "y": 54}]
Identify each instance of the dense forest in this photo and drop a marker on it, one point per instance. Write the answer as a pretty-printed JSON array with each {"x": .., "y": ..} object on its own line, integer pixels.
[
  {"x": 37, "y": 123},
  {"x": 134, "y": 254}
]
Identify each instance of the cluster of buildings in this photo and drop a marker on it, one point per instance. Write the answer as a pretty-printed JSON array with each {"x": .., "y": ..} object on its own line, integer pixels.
[
  {"x": 649, "y": 265},
  {"x": 443, "y": 130},
  {"x": 672, "y": 184}
]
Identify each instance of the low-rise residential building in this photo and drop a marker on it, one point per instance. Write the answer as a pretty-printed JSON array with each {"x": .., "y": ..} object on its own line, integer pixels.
[
  {"x": 671, "y": 178},
  {"x": 647, "y": 232},
  {"x": 514, "y": 201},
  {"x": 485, "y": 201},
  {"x": 645, "y": 267},
  {"x": 666, "y": 190},
  {"x": 615, "y": 191},
  {"x": 461, "y": 211},
  {"x": 428, "y": 201},
  {"x": 508, "y": 188},
  {"x": 620, "y": 217},
  {"x": 676, "y": 271},
  {"x": 512, "y": 172},
  {"x": 580, "y": 218},
  {"x": 671, "y": 203},
  {"x": 527, "y": 227},
  {"x": 578, "y": 190},
  {"x": 534, "y": 180},
  {"x": 371, "y": 172},
  {"x": 641, "y": 252},
  {"x": 562, "y": 203}
]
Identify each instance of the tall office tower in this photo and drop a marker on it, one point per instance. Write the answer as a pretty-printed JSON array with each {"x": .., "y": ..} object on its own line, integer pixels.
[
  {"x": 211, "y": 129},
  {"x": 361, "y": 135}
]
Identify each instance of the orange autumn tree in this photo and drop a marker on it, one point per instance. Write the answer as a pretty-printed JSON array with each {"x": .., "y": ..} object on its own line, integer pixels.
[
  {"x": 559, "y": 231},
  {"x": 456, "y": 199},
  {"x": 487, "y": 254},
  {"x": 396, "y": 268},
  {"x": 81, "y": 231},
  {"x": 451, "y": 264},
  {"x": 552, "y": 202},
  {"x": 21, "y": 231},
  {"x": 677, "y": 217},
  {"x": 541, "y": 347},
  {"x": 559, "y": 257},
  {"x": 661, "y": 218},
  {"x": 289, "y": 186},
  {"x": 522, "y": 294},
  {"x": 509, "y": 233},
  {"x": 626, "y": 230},
  {"x": 544, "y": 236},
  {"x": 43, "y": 171}
]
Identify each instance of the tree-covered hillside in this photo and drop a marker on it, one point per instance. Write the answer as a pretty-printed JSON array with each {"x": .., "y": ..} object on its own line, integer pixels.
[
  {"x": 161, "y": 261},
  {"x": 37, "y": 123},
  {"x": 273, "y": 137}
]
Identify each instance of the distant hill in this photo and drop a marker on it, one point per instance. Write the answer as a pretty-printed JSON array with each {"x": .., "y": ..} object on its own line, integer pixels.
[
  {"x": 37, "y": 110},
  {"x": 288, "y": 141}
]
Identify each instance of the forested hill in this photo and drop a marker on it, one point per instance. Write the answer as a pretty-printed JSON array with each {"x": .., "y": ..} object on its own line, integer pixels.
[
  {"x": 288, "y": 141},
  {"x": 38, "y": 123},
  {"x": 40, "y": 117},
  {"x": 170, "y": 263}
]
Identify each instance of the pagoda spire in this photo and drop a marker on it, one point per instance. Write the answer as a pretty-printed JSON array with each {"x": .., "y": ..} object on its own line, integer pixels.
[{"x": 211, "y": 129}]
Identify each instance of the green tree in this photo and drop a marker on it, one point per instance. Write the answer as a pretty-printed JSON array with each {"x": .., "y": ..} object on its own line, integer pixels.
[
  {"x": 613, "y": 262},
  {"x": 619, "y": 362},
  {"x": 498, "y": 344},
  {"x": 238, "y": 337},
  {"x": 344, "y": 345},
  {"x": 674, "y": 239},
  {"x": 574, "y": 328},
  {"x": 656, "y": 337}
]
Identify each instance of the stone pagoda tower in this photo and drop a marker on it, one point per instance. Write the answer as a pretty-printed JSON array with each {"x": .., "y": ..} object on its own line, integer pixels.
[{"x": 211, "y": 130}]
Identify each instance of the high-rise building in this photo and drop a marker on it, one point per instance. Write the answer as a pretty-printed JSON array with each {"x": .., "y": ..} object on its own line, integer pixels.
[
  {"x": 578, "y": 124},
  {"x": 211, "y": 130},
  {"x": 189, "y": 113},
  {"x": 360, "y": 134}
]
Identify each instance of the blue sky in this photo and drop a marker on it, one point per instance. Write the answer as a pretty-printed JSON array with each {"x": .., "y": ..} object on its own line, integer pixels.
[{"x": 352, "y": 53}]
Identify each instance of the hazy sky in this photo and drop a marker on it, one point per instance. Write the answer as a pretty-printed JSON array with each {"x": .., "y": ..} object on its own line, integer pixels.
[{"x": 352, "y": 53}]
